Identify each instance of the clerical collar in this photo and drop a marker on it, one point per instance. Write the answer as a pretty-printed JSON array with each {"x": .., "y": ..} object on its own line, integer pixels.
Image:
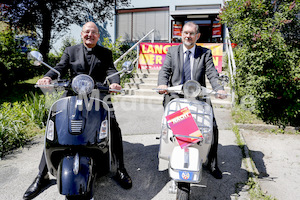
[{"x": 89, "y": 49}]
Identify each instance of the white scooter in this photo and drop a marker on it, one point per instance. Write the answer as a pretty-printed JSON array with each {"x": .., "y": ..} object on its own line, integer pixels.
[{"x": 184, "y": 162}]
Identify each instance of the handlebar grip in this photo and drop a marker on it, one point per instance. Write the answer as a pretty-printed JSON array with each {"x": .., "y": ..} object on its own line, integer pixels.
[
  {"x": 103, "y": 88},
  {"x": 44, "y": 86},
  {"x": 117, "y": 91},
  {"x": 59, "y": 84}
]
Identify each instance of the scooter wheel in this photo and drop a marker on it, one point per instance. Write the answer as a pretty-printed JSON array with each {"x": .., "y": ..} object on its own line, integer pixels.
[
  {"x": 183, "y": 191},
  {"x": 84, "y": 197}
]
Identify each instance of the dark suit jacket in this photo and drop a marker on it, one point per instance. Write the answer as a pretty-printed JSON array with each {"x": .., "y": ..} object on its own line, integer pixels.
[
  {"x": 171, "y": 71},
  {"x": 73, "y": 60}
]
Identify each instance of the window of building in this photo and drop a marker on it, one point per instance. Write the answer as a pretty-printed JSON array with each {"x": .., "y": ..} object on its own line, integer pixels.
[{"x": 134, "y": 24}]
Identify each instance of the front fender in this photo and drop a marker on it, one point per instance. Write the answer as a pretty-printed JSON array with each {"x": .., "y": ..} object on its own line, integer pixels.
[{"x": 71, "y": 183}]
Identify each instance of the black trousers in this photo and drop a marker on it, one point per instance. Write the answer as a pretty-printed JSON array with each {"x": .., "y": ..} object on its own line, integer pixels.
[
  {"x": 212, "y": 157},
  {"x": 117, "y": 146}
]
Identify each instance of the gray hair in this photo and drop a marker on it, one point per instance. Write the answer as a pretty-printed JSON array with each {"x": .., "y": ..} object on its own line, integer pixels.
[{"x": 190, "y": 23}]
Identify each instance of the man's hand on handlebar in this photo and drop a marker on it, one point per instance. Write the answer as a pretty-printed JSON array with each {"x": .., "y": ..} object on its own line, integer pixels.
[
  {"x": 162, "y": 89},
  {"x": 221, "y": 94},
  {"x": 115, "y": 86},
  {"x": 44, "y": 81}
]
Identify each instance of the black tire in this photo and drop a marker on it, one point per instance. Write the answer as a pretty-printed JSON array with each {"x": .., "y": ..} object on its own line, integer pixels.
[
  {"x": 83, "y": 197},
  {"x": 183, "y": 191}
]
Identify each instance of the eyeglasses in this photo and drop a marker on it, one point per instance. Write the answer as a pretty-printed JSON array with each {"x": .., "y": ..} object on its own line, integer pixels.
[
  {"x": 191, "y": 33},
  {"x": 92, "y": 32}
]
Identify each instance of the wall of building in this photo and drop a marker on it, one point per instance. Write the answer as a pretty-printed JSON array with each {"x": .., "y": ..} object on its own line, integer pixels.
[
  {"x": 178, "y": 12},
  {"x": 171, "y": 3},
  {"x": 75, "y": 29}
]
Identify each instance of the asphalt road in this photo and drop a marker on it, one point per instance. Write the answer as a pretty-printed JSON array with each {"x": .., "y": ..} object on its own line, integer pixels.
[{"x": 140, "y": 124}]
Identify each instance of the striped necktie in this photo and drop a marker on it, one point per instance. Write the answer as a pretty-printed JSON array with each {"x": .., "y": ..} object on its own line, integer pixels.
[{"x": 187, "y": 67}]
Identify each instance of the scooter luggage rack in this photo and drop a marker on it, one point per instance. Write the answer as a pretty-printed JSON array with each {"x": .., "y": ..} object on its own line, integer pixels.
[{"x": 201, "y": 118}]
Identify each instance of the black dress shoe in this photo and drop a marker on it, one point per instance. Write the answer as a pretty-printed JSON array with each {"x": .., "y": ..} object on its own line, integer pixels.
[
  {"x": 33, "y": 190},
  {"x": 216, "y": 172},
  {"x": 123, "y": 179}
]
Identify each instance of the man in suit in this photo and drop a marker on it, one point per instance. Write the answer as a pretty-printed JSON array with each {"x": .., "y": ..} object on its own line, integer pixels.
[
  {"x": 96, "y": 61},
  {"x": 185, "y": 62}
]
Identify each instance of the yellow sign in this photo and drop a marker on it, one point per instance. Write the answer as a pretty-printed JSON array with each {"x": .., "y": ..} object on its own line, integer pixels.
[{"x": 152, "y": 55}]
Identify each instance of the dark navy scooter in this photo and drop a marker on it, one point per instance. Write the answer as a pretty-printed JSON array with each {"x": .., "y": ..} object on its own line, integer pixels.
[{"x": 78, "y": 139}]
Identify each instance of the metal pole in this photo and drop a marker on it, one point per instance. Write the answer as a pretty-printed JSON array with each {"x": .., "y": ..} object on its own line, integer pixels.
[
  {"x": 232, "y": 71},
  {"x": 115, "y": 63},
  {"x": 116, "y": 24}
]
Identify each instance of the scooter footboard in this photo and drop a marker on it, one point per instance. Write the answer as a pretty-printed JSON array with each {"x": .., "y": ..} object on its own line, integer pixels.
[
  {"x": 75, "y": 175},
  {"x": 185, "y": 165}
]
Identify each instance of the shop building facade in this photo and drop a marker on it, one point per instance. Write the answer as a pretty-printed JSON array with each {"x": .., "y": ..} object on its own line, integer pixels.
[{"x": 167, "y": 17}]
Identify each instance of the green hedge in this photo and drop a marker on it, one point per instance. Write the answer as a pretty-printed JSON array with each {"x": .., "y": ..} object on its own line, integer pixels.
[
  {"x": 14, "y": 65},
  {"x": 267, "y": 56}
]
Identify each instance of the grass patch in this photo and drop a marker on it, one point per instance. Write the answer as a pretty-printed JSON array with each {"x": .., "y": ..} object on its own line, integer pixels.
[
  {"x": 281, "y": 131},
  {"x": 33, "y": 80},
  {"x": 239, "y": 115},
  {"x": 18, "y": 92},
  {"x": 242, "y": 116},
  {"x": 20, "y": 121}
]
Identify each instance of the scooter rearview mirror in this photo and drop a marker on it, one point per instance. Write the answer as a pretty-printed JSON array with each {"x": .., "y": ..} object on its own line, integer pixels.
[
  {"x": 35, "y": 58},
  {"x": 127, "y": 66}
]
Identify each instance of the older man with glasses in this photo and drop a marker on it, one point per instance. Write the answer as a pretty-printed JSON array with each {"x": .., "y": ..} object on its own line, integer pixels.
[{"x": 96, "y": 61}]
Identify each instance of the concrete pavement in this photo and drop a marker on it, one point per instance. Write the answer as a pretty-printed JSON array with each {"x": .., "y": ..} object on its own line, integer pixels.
[{"x": 277, "y": 162}]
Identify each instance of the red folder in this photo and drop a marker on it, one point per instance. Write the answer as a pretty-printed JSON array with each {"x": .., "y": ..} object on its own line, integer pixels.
[{"x": 183, "y": 123}]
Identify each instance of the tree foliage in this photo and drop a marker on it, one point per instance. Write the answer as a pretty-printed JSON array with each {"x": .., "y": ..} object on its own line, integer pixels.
[
  {"x": 14, "y": 65},
  {"x": 267, "y": 56},
  {"x": 118, "y": 48},
  {"x": 51, "y": 18}
]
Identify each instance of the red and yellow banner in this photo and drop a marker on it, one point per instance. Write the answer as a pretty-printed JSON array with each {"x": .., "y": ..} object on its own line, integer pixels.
[
  {"x": 217, "y": 53},
  {"x": 152, "y": 55}
]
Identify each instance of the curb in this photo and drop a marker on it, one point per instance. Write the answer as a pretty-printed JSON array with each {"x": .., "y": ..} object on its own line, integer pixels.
[
  {"x": 249, "y": 163},
  {"x": 266, "y": 127}
]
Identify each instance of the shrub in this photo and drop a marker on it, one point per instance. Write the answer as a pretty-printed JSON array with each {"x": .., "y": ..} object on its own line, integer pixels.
[
  {"x": 118, "y": 49},
  {"x": 267, "y": 57},
  {"x": 14, "y": 65},
  {"x": 36, "y": 109},
  {"x": 21, "y": 121}
]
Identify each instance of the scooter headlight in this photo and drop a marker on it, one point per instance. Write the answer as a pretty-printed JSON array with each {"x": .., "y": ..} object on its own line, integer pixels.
[
  {"x": 191, "y": 89},
  {"x": 50, "y": 130},
  {"x": 83, "y": 84}
]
